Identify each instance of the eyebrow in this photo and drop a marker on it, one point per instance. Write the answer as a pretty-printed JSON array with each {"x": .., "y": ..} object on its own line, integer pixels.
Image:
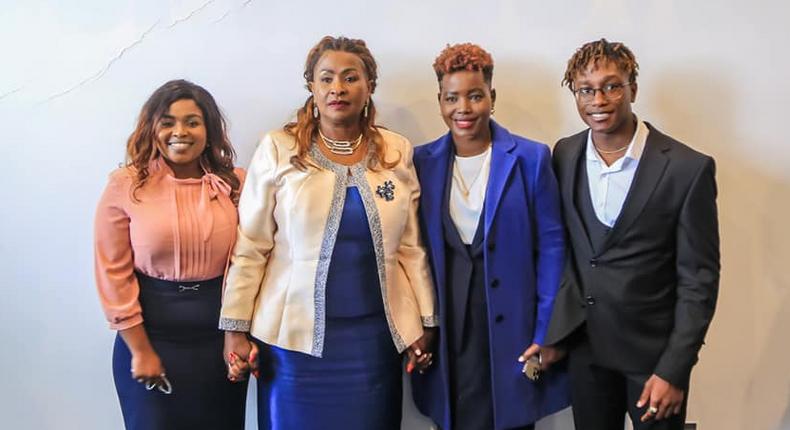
[
  {"x": 473, "y": 90},
  {"x": 605, "y": 79},
  {"x": 350, "y": 69},
  {"x": 190, "y": 116}
]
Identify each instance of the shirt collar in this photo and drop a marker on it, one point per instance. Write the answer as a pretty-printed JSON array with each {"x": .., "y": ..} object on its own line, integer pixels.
[{"x": 635, "y": 148}]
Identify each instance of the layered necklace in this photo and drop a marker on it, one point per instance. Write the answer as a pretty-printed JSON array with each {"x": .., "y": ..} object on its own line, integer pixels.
[{"x": 341, "y": 147}]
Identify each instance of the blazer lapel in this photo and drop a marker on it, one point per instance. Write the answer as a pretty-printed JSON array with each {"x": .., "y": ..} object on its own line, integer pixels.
[
  {"x": 502, "y": 163},
  {"x": 433, "y": 176},
  {"x": 651, "y": 167},
  {"x": 570, "y": 189}
]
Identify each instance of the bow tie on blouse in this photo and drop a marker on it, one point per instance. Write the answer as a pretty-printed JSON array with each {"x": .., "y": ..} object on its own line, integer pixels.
[{"x": 212, "y": 188}]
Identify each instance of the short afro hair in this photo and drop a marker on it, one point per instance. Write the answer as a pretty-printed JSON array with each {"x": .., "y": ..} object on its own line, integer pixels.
[{"x": 464, "y": 56}]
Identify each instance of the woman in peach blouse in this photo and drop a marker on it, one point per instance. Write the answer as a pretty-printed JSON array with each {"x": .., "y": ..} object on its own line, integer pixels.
[{"x": 163, "y": 230}]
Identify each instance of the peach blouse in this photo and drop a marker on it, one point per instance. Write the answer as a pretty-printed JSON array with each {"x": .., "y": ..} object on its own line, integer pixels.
[{"x": 176, "y": 229}]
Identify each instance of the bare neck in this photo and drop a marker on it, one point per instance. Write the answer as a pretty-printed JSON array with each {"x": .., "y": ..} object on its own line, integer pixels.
[{"x": 469, "y": 147}]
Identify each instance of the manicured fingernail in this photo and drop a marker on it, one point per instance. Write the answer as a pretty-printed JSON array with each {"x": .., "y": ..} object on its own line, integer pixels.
[
  {"x": 409, "y": 367},
  {"x": 256, "y": 373},
  {"x": 417, "y": 351},
  {"x": 521, "y": 359},
  {"x": 639, "y": 404}
]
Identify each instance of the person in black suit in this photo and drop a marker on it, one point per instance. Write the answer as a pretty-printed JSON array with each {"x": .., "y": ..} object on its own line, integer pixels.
[{"x": 639, "y": 288}]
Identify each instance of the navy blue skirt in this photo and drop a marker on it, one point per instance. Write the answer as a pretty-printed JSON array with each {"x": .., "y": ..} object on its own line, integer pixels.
[
  {"x": 181, "y": 322},
  {"x": 356, "y": 384}
]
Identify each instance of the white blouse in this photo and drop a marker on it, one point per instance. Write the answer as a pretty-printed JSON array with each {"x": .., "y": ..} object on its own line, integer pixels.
[{"x": 468, "y": 192}]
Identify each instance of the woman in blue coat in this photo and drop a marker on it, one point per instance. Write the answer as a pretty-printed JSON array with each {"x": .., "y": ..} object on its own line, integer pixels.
[{"x": 490, "y": 211}]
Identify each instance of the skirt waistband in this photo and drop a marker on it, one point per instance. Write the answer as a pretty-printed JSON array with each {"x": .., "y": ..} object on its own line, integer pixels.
[{"x": 146, "y": 281}]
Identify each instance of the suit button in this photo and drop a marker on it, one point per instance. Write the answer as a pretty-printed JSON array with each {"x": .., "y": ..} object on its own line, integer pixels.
[
  {"x": 593, "y": 262},
  {"x": 499, "y": 318},
  {"x": 495, "y": 283},
  {"x": 590, "y": 300},
  {"x": 491, "y": 246}
]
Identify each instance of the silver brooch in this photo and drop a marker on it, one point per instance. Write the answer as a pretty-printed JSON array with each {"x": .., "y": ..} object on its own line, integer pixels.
[{"x": 386, "y": 191}]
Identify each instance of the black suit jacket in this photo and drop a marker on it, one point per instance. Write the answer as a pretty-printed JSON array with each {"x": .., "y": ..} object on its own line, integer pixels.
[{"x": 648, "y": 295}]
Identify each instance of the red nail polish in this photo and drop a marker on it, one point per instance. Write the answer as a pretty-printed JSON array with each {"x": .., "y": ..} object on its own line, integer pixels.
[{"x": 409, "y": 367}]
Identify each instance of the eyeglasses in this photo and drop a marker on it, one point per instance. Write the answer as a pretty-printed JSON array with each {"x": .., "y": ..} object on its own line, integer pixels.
[{"x": 609, "y": 91}]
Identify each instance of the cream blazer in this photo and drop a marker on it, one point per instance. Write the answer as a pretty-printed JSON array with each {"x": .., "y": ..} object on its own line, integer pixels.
[{"x": 288, "y": 222}]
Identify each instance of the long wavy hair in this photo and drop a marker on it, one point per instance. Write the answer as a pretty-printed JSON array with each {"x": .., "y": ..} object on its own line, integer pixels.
[
  {"x": 305, "y": 128},
  {"x": 142, "y": 147}
]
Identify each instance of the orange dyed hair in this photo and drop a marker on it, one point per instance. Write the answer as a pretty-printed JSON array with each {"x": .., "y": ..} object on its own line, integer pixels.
[{"x": 464, "y": 56}]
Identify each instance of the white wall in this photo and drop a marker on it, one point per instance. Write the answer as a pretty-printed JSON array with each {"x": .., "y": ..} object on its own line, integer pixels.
[{"x": 75, "y": 74}]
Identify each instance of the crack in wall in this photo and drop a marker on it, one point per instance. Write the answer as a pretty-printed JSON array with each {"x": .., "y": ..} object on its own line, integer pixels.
[
  {"x": 225, "y": 15},
  {"x": 105, "y": 69},
  {"x": 190, "y": 14},
  {"x": 10, "y": 93},
  {"x": 123, "y": 51}
]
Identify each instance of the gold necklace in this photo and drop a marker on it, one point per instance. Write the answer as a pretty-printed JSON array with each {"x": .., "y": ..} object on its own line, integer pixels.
[
  {"x": 457, "y": 174},
  {"x": 601, "y": 151},
  {"x": 341, "y": 147}
]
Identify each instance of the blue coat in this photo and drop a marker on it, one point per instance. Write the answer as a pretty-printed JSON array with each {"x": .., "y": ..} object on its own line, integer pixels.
[{"x": 523, "y": 257}]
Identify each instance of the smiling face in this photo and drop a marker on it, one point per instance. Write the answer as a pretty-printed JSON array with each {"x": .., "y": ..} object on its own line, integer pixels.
[
  {"x": 340, "y": 87},
  {"x": 465, "y": 101},
  {"x": 181, "y": 137},
  {"x": 606, "y": 117}
]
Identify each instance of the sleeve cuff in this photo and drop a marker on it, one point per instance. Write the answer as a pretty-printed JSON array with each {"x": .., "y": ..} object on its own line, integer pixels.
[
  {"x": 123, "y": 324},
  {"x": 430, "y": 321},
  {"x": 230, "y": 324}
]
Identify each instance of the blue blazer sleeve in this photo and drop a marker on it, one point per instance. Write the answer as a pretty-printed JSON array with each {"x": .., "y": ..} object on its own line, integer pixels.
[{"x": 550, "y": 239}]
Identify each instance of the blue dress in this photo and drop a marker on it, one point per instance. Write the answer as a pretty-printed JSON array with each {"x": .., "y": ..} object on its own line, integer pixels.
[{"x": 356, "y": 384}]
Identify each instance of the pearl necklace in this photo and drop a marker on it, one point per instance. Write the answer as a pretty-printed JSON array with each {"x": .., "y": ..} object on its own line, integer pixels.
[{"x": 341, "y": 147}]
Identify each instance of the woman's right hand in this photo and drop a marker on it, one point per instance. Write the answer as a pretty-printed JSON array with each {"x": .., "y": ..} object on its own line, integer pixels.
[
  {"x": 240, "y": 355},
  {"x": 147, "y": 367}
]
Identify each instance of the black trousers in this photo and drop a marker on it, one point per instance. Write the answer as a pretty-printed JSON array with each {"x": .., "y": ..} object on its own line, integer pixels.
[{"x": 601, "y": 397}]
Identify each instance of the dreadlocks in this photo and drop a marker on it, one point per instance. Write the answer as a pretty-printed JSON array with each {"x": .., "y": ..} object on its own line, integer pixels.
[{"x": 592, "y": 53}]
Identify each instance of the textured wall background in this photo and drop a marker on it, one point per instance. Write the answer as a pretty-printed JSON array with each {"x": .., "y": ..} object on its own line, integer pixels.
[{"x": 74, "y": 75}]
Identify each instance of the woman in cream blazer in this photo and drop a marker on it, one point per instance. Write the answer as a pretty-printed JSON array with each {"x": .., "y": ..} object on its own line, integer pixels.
[
  {"x": 287, "y": 219},
  {"x": 328, "y": 272}
]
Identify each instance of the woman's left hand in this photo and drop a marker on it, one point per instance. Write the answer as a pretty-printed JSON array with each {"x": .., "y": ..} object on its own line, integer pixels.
[
  {"x": 548, "y": 355},
  {"x": 420, "y": 355}
]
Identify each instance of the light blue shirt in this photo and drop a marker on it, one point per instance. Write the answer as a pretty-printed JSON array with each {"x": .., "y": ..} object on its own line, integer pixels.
[{"x": 609, "y": 185}]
